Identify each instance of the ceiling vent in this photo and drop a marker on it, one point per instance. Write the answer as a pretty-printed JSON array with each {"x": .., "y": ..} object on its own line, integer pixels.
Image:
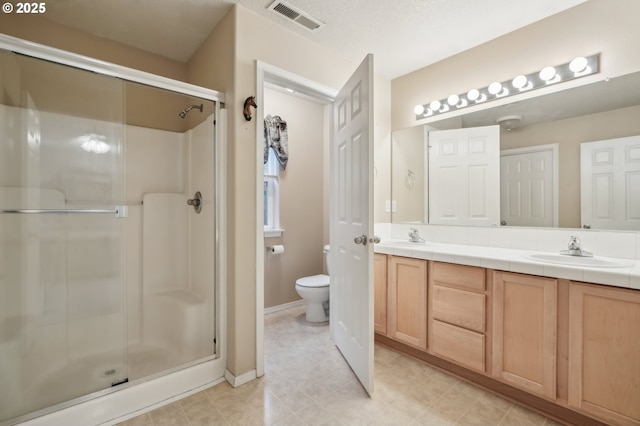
[{"x": 296, "y": 15}]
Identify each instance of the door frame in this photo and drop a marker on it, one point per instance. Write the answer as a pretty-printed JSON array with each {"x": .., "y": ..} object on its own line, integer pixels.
[
  {"x": 554, "y": 148},
  {"x": 266, "y": 73}
]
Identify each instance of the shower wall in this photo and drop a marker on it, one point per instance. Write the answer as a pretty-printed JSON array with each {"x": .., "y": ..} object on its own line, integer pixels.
[{"x": 170, "y": 248}]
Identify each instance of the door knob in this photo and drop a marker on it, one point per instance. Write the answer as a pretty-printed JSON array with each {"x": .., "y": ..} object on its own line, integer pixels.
[
  {"x": 196, "y": 202},
  {"x": 374, "y": 240},
  {"x": 361, "y": 239}
]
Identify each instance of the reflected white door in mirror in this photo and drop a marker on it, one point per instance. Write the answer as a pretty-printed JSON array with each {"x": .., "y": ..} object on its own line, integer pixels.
[
  {"x": 528, "y": 186},
  {"x": 464, "y": 176},
  {"x": 610, "y": 183}
]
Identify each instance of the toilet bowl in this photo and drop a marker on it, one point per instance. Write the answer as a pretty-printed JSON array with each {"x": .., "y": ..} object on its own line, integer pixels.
[{"x": 315, "y": 292}]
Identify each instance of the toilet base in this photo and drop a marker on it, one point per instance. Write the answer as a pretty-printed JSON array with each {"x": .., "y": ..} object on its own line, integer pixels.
[{"x": 316, "y": 312}]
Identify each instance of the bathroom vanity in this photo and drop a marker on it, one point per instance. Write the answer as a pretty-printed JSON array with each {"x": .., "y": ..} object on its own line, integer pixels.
[{"x": 535, "y": 332}]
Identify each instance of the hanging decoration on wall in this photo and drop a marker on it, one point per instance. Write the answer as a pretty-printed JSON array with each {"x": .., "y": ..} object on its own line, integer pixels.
[
  {"x": 277, "y": 138},
  {"x": 248, "y": 103}
]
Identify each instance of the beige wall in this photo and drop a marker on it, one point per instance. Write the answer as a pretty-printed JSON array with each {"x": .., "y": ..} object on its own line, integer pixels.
[
  {"x": 569, "y": 134},
  {"x": 301, "y": 198},
  {"x": 57, "y": 88},
  {"x": 40, "y": 30},
  {"x": 409, "y": 191},
  {"x": 596, "y": 26}
]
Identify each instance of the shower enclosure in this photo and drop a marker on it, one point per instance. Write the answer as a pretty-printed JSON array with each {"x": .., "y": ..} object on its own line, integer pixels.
[{"x": 108, "y": 261}]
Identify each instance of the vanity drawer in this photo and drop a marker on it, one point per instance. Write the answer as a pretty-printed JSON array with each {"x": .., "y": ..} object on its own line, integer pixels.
[
  {"x": 462, "y": 276},
  {"x": 459, "y": 345},
  {"x": 459, "y": 307}
]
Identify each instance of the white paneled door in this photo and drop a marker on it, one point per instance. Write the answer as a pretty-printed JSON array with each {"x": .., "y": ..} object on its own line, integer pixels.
[
  {"x": 610, "y": 183},
  {"x": 464, "y": 176},
  {"x": 528, "y": 186},
  {"x": 351, "y": 223}
]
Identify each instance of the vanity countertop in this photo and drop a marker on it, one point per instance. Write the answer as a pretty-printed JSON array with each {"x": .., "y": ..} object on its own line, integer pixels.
[{"x": 514, "y": 260}]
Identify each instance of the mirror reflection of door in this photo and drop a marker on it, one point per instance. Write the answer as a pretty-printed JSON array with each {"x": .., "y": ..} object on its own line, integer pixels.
[
  {"x": 464, "y": 176},
  {"x": 528, "y": 192},
  {"x": 610, "y": 183}
]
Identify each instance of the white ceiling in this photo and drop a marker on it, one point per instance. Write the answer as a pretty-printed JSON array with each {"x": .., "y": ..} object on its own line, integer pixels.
[{"x": 404, "y": 35}]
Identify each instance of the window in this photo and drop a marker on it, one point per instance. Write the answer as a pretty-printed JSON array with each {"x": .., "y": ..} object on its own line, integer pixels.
[{"x": 271, "y": 197}]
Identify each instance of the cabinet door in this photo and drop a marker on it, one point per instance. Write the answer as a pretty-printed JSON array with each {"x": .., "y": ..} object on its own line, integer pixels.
[
  {"x": 407, "y": 301},
  {"x": 524, "y": 332},
  {"x": 604, "y": 352},
  {"x": 380, "y": 293}
]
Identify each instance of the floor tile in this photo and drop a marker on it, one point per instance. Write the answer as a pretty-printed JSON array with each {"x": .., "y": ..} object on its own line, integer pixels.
[{"x": 307, "y": 382}]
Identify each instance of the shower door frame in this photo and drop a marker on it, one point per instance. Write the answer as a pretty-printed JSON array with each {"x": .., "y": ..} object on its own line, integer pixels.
[{"x": 130, "y": 399}]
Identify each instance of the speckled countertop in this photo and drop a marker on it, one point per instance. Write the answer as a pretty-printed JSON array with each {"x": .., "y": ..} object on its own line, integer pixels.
[{"x": 627, "y": 275}]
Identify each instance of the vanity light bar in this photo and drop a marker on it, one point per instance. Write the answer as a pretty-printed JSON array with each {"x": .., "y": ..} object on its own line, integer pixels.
[{"x": 578, "y": 67}]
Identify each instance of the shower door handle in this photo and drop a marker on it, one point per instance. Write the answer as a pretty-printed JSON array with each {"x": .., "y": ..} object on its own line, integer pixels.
[{"x": 118, "y": 211}]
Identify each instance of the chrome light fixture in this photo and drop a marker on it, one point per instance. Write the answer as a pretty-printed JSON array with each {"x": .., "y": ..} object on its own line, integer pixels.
[
  {"x": 578, "y": 67},
  {"x": 509, "y": 122}
]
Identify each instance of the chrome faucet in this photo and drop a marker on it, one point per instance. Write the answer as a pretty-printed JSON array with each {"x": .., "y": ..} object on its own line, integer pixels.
[
  {"x": 574, "y": 249},
  {"x": 414, "y": 236}
]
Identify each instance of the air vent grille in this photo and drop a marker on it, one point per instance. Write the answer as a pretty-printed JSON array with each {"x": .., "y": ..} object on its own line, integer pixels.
[
  {"x": 286, "y": 11},
  {"x": 296, "y": 15}
]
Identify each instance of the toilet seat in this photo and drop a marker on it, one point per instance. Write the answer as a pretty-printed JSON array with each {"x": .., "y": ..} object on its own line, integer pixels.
[{"x": 314, "y": 281}]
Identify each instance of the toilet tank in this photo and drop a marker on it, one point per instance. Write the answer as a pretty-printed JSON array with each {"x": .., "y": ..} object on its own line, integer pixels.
[{"x": 326, "y": 258}]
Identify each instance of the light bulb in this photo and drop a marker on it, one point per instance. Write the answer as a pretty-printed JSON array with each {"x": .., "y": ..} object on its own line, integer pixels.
[
  {"x": 453, "y": 100},
  {"x": 519, "y": 82},
  {"x": 435, "y": 105},
  {"x": 578, "y": 64},
  {"x": 495, "y": 88},
  {"x": 418, "y": 109},
  {"x": 547, "y": 74},
  {"x": 473, "y": 94}
]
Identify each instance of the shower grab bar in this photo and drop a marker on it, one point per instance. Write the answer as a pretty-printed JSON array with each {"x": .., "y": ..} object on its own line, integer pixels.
[{"x": 118, "y": 211}]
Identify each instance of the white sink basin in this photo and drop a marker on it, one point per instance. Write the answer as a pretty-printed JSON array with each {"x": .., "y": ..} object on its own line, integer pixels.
[
  {"x": 585, "y": 262},
  {"x": 403, "y": 243}
]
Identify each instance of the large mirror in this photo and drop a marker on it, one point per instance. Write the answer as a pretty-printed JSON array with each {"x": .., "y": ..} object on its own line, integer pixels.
[{"x": 552, "y": 130}]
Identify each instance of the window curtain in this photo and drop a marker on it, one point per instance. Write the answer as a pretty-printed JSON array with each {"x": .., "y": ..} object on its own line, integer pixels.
[{"x": 276, "y": 137}]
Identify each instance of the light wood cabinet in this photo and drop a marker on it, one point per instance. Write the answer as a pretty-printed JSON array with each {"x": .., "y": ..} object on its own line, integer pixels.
[
  {"x": 524, "y": 332},
  {"x": 576, "y": 345},
  {"x": 604, "y": 352},
  {"x": 457, "y": 314},
  {"x": 407, "y": 301},
  {"x": 380, "y": 293}
]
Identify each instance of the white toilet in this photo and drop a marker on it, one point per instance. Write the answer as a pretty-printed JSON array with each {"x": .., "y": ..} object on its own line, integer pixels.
[{"x": 315, "y": 291}]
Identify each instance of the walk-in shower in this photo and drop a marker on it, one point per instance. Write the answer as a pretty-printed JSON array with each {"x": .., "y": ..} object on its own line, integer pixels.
[
  {"x": 184, "y": 112},
  {"x": 108, "y": 277}
]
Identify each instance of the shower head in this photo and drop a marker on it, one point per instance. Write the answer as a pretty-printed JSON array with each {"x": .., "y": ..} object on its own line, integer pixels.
[{"x": 184, "y": 112}]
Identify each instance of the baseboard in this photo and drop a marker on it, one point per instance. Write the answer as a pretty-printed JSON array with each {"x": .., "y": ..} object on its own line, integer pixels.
[
  {"x": 284, "y": 306},
  {"x": 241, "y": 379}
]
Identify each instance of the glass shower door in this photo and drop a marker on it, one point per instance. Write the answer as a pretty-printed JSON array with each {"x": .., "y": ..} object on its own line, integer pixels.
[{"x": 62, "y": 298}]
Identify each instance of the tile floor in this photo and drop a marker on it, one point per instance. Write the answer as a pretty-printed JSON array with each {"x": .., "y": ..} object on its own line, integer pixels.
[{"x": 307, "y": 382}]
